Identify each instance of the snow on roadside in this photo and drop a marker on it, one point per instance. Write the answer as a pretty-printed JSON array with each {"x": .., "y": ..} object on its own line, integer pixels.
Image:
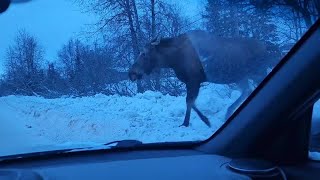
[
  {"x": 315, "y": 126},
  {"x": 316, "y": 110},
  {"x": 314, "y": 156},
  {"x": 148, "y": 117},
  {"x": 15, "y": 135}
]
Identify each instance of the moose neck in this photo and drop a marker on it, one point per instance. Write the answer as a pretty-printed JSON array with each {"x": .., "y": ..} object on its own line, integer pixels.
[
  {"x": 179, "y": 54},
  {"x": 171, "y": 52}
]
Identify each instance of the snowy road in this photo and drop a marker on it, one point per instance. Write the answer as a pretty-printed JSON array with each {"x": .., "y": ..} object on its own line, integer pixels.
[{"x": 15, "y": 135}]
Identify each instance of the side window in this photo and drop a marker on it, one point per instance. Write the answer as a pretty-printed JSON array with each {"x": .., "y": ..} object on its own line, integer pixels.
[{"x": 314, "y": 149}]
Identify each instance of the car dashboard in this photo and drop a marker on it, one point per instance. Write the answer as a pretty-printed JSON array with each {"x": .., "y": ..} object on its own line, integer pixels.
[{"x": 135, "y": 165}]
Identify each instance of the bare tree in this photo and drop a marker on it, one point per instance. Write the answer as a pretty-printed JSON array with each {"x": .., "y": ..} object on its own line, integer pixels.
[
  {"x": 308, "y": 10},
  {"x": 88, "y": 68},
  {"x": 128, "y": 24},
  {"x": 296, "y": 16},
  {"x": 54, "y": 83},
  {"x": 160, "y": 19},
  {"x": 119, "y": 18},
  {"x": 73, "y": 66},
  {"x": 23, "y": 64}
]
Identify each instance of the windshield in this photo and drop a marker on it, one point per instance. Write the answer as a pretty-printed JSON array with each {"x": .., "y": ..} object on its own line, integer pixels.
[{"x": 79, "y": 73}]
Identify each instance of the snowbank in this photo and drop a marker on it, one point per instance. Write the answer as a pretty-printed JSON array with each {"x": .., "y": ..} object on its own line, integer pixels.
[
  {"x": 314, "y": 156},
  {"x": 38, "y": 124},
  {"x": 148, "y": 117},
  {"x": 315, "y": 127},
  {"x": 316, "y": 110},
  {"x": 33, "y": 123}
]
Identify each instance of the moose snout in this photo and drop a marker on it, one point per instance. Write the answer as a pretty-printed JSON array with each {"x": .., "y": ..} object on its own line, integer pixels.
[{"x": 134, "y": 76}]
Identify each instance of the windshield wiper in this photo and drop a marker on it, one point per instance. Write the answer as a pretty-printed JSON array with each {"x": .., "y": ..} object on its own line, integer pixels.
[
  {"x": 125, "y": 143},
  {"x": 110, "y": 145}
]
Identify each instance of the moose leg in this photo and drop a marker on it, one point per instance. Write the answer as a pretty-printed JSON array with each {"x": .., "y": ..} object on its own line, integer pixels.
[
  {"x": 202, "y": 117},
  {"x": 192, "y": 94},
  {"x": 245, "y": 88},
  {"x": 187, "y": 115}
]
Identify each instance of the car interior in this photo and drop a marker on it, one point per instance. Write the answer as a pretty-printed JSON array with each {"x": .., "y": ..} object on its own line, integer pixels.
[{"x": 268, "y": 137}]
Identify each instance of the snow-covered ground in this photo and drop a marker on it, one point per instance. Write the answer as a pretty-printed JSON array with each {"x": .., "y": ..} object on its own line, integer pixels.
[
  {"x": 33, "y": 123},
  {"x": 315, "y": 127}
]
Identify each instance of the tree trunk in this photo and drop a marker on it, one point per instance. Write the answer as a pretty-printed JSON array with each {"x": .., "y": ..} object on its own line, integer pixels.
[
  {"x": 153, "y": 20},
  {"x": 153, "y": 34},
  {"x": 317, "y": 7},
  {"x": 133, "y": 33},
  {"x": 302, "y": 8},
  {"x": 139, "y": 33},
  {"x": 306, "y": 13},
  {"x": 295, "y": 24},
  {"x": 307, "y": 19},
  {"x": 234, "y": 12},
  {"x": 134, "y": 39}
]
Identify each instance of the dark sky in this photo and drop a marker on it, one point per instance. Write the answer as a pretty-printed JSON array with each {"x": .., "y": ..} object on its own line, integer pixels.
[{"x": 53, "y": 22}]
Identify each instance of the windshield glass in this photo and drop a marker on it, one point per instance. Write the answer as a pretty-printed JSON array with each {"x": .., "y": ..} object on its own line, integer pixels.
[{"x": 79, "y": 73}]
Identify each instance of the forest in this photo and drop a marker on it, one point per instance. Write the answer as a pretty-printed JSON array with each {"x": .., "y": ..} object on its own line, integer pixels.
[{"x": 99, "y": 65}]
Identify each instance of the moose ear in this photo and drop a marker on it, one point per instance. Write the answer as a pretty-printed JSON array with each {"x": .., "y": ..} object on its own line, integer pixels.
[{"x": 156, "y": 40}]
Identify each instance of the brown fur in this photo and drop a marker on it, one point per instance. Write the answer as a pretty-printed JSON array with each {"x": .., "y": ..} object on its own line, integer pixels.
[{"x": 227, "y": 61}]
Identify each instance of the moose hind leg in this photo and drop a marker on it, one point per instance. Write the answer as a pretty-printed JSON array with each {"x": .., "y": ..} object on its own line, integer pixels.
[
  {"x": 192, "y": 94},
  {"x": 186, "y": 121},
  {"x": 245, "y": 88},
  {"x": 202, "y": 117}
]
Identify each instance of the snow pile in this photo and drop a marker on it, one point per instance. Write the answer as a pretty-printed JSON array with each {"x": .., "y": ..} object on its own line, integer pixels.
[
  {"x": 315, "y": 126},
  {"x": 37, "y": 124},
  {"x": 316, "y": 111},
  {"x": 314, "y": 156},
  {"x": 148, "y": 117}
]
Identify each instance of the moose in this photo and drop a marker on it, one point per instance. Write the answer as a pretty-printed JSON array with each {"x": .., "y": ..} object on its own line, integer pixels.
[{"x": 199, "y": 56}]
